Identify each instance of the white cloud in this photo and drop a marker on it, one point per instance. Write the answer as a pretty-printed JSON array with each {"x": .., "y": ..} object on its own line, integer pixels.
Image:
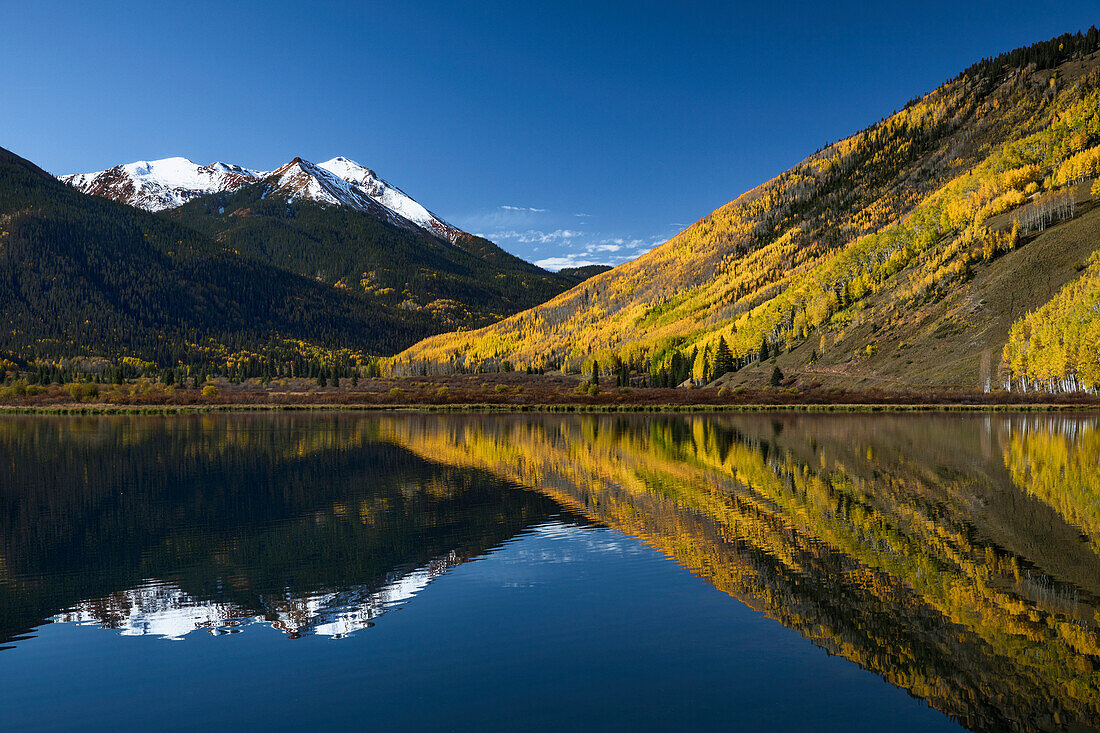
[
  {"x": 557, "y": 263},
  {"x": 534, "y": 235},
  {"x": 609, "y": 251},
  {"x": 558, "y": 240},
  {"x": 504, "y": 217},
  {"x": 531, "y": 209}
]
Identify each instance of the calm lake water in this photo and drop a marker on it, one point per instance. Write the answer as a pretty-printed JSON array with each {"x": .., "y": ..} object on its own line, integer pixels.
[{"x": 503, "y": 572}]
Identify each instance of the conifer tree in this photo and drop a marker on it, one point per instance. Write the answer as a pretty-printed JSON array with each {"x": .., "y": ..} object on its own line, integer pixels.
[{"x": 723, "y": 359}]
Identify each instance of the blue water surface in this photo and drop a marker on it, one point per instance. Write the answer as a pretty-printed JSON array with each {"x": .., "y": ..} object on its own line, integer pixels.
[{"x": 562, "y": 627}]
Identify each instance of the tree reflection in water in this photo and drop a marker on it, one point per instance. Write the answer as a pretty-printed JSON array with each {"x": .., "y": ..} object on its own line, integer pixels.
[{"x": 956, "y": 556}]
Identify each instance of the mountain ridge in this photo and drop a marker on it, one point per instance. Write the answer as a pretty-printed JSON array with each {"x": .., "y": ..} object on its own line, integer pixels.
[
  {"x": 85, "y": 276},
  {"x": 907, "y": 208},
  {"x": 168, "y": 183},
  {"x": 340, "y": 224}
]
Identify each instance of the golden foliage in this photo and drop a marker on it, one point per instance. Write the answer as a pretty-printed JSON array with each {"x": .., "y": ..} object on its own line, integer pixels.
[
  {"x": 902, "y": 208},
  {"x": 1058, "y": 345}
]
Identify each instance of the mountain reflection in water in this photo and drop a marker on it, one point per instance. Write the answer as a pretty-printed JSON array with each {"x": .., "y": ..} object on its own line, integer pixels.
[
  {"x": 166, "y": 525},
  {"x": 958, "y": 557}
]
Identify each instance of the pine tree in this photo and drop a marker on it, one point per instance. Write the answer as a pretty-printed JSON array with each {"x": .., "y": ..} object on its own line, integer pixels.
[
  {"x": 708, "y": 365},
  {"x": 723, "y": 359}
]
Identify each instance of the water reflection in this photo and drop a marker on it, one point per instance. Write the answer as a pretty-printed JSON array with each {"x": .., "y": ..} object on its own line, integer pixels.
[
  {"x": 168, "y": 525},
  {"x": 955, "y": 556},
  {"x": 163, "y": 609}
]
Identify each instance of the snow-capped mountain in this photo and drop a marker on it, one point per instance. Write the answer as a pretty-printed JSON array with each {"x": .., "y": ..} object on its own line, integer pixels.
[
  {"x": 165, "y": 184},
  {"x": 393, "y": 198},
  {"x": 301, "y": 180},
  {"x": 155, "y": 185}
]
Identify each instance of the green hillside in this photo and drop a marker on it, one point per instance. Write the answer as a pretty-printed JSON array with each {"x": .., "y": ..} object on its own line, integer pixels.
[
  {"x": 898, "y": 256},
  {"x": 467, "y": 284}
]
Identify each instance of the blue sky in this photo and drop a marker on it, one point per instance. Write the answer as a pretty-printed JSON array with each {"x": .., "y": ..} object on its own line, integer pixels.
[{"x": 567, "y": 132}]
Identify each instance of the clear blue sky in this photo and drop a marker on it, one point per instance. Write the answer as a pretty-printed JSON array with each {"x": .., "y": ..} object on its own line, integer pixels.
[{"x": 606, "y": 127}]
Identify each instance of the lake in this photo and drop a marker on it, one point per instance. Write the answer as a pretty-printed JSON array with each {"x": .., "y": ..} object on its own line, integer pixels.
[{"x": 501, "y": 572}]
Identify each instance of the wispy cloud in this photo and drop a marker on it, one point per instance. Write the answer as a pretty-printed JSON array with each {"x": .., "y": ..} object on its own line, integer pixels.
[
  {"x": 571, "y": 260},
  {"x": 557, "y": 239},
  {"x": 508, "y": 217},
  {"x": 531, "y": 209},
  {"x": 533, "y": 236},
  {"x": 606, "y": 251}
]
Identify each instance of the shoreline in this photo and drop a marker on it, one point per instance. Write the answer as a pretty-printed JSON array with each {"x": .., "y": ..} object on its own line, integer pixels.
[{"x": 579, "y": 408}]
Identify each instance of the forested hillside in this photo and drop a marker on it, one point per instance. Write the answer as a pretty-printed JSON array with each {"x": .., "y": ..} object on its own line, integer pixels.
[
  {"x": 86, "y": 276},
  {"x": 468, "y": 283},
  {"x": 857, "y": 264}
]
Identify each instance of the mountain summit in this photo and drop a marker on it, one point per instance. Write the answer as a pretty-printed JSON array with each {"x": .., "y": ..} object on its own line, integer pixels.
[
  {"x": 157, "y": 185},
  {"x": 393, "y": 198}
]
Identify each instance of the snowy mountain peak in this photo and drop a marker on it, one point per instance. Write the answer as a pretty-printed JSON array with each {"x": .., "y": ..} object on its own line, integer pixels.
[
  {"x": 170, "y": 182},
  {"x": 161, "y": 184},
  {"x": 301, "y": 180},
  {"x": 391, "y": 197}
]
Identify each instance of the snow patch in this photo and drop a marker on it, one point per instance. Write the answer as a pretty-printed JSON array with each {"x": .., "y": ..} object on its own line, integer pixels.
[{"x": 156, "y": 185}]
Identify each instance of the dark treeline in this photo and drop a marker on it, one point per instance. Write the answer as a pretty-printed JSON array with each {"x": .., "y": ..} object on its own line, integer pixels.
[
  {"x": 1044, "y": 55},
  {"x": 323, "y": 370}
]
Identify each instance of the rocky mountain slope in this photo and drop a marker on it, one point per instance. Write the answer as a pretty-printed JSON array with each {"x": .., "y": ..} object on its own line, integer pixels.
[{"x": 854, "y": 266}]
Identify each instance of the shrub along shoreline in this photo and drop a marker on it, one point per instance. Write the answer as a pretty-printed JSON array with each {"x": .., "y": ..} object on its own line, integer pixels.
[{"x": 114, "y": 409}]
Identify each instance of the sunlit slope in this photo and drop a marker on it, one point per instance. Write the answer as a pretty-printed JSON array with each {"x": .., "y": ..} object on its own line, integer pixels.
[
  {"x": 875, "y": 229},
  {"x": 848, "y": 533},
  {"x": 959, "y": 339}
]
